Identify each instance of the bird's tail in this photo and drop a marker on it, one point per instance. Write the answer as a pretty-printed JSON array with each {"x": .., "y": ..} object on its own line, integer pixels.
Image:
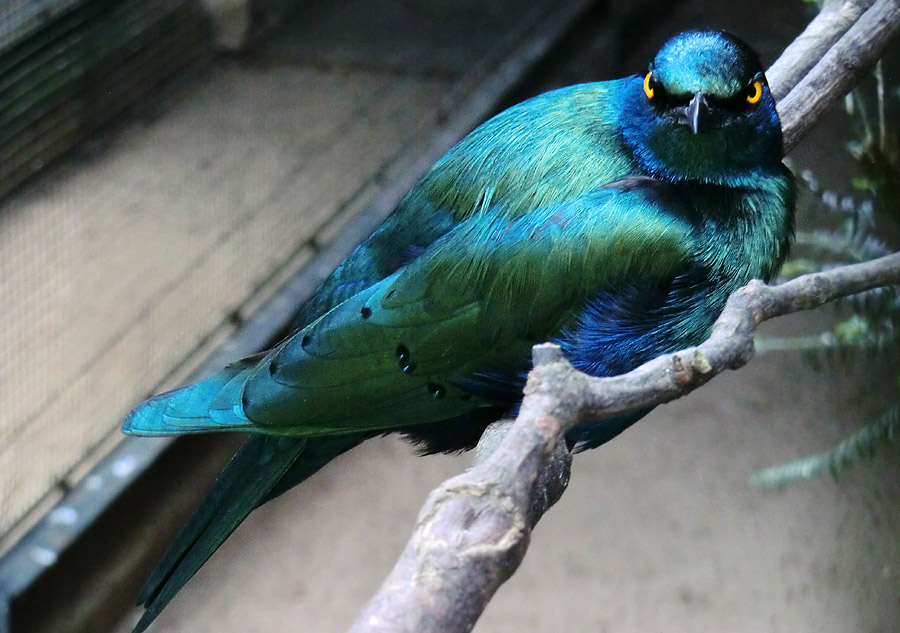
[{"x": 264, "y": 467}]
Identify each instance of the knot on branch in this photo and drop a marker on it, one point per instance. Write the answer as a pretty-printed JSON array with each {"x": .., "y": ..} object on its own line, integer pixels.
[
  {"x": 818, "y": 291},
  {"x": 472, "y": 520},
  {"x": 550, "y": 366},
  {"x": 684, "y": 371},
  {"x": 688, "y": 365},
  {"x": 552, "y": 376}
]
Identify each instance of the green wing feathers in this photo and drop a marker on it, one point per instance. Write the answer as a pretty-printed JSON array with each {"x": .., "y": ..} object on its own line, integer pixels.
[{"x": 476, "y": 299}]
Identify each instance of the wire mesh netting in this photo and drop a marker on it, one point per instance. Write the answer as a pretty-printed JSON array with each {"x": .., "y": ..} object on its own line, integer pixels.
[
  {"x": 122, "y": 267},
  {"x": 67, "y": 67}
]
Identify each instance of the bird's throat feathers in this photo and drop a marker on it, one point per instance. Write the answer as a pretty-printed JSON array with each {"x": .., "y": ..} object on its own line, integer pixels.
[{"x": 747, "y": 231}]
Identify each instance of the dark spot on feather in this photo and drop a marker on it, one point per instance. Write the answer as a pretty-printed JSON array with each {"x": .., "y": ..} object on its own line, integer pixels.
[
  {"x": 436, "y": 390},
  {"x": 305, "y": 341},
  {"x": 366, "y": 312},
  {"x": 403, "y": 355}
]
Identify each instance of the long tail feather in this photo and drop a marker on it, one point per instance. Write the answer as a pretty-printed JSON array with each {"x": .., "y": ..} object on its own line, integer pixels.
[
  {"x": 264, "y": 467},
  {"x": 257, "y": 467}
]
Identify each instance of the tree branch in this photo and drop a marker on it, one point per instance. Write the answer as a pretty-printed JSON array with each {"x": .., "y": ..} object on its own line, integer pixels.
[
  {"x": 473, "y": 531},
  {"x": 840, "y": 68},
  {"x": 574, "y": 397},
  {"x": 471, "y": 535},
  {"x": 835, "y": 17}
]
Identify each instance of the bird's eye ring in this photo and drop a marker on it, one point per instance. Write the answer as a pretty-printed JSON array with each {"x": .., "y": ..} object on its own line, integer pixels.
[
  {"x": 756, "y": 94},
  {"x": 648, "y": 87}
]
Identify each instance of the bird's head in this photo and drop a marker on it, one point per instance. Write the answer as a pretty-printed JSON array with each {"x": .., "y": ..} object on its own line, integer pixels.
[{"x": 703, "y": 111}]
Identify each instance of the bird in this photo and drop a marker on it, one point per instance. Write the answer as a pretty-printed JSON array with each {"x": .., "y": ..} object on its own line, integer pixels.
[{"x": 613, "y": 218}]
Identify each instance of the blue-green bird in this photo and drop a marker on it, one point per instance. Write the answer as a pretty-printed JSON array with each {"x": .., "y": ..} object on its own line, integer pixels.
[{"x": 614, "y": 218}]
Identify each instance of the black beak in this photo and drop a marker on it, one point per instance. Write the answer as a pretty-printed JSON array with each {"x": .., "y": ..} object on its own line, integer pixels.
[{"x": 696, "y": 111}]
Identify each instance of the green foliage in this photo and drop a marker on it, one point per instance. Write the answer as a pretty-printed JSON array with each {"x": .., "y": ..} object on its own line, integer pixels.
[
  {"x": 862, "y": 443},
  {"x": 877, "y": 146},
  {"x": 872, "y": 327}
]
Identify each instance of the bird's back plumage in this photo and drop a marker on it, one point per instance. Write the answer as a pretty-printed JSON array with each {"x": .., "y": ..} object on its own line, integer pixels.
[{"x": 614, "y": 218}]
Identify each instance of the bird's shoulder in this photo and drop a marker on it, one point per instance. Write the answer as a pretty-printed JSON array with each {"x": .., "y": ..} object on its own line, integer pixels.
[
  {"x": 545, "y": 150},
  {"x": 632, "y": 227}
]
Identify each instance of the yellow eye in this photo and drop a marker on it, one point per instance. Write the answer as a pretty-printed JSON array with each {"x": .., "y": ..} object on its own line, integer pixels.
[
  {"x": 757, "y": 93},
  {"x": 648, "y": 89}
]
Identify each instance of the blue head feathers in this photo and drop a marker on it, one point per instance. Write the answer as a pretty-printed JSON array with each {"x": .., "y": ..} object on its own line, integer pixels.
[
  {"x": 712, "y": 62},
  {"x": 703, "y": 112}
]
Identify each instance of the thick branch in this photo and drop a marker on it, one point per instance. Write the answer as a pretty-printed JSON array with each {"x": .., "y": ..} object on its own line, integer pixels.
[
  {"x": 810, "y": 46},
  {"x": 471, "y": 535},
  {"x": 839, "y": 69}
]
